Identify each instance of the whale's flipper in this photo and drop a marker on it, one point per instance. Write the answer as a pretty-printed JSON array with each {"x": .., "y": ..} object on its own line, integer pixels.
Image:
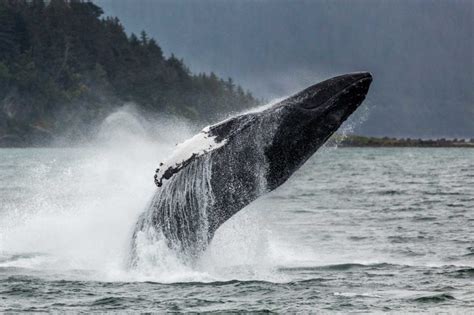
[{"x": 213, "y": 175}]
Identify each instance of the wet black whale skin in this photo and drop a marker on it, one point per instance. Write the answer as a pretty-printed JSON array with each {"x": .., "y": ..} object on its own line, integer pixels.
[{"x": 261, "y": 151}]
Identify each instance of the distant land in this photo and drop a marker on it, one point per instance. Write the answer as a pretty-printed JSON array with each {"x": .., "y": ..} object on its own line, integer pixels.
[
  {"x": 65, "y": 66},
  {"x": 386, "y": 142},
  {"x": 341, "y": 141}
]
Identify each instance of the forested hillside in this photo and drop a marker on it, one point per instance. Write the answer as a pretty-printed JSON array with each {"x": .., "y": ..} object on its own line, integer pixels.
[{"x": 63, "y": 68}]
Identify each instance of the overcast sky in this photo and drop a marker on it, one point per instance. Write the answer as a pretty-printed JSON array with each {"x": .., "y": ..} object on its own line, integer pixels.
[{"x": 420, "y": 52}]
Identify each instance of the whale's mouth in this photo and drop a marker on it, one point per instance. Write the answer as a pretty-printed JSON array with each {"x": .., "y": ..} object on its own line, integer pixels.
[{"x": 347, "y": 90}]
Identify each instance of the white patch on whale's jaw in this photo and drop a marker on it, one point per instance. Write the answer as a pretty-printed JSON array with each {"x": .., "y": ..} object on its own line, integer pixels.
[{"x": 198, "y": 145}]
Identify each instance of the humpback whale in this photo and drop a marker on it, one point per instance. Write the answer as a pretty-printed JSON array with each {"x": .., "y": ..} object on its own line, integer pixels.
[{"x": 226, "y": 166}]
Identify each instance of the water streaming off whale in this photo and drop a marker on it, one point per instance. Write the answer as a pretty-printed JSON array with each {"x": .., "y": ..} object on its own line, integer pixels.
[
  {"x": 184, "y": 212},
  {"x": 184, "y": 203}
]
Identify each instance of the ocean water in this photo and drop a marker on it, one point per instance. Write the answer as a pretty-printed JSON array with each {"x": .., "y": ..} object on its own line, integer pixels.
[{"x": 354, "y": 230}]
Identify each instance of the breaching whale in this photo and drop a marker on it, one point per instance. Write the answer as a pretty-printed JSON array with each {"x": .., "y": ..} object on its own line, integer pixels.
[{"x": 226, "y": 166}]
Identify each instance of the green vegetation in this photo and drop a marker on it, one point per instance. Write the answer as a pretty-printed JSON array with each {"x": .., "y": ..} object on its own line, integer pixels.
[
  {"x": 360, "y": 141},
  {"x": 63, "y": 68}
]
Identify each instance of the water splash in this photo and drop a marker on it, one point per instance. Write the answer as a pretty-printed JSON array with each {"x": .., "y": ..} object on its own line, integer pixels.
[
  {"x": 78, "y": 206},
  {"x": 77, "y": 210},
  {"x": 182, "y": 222}
]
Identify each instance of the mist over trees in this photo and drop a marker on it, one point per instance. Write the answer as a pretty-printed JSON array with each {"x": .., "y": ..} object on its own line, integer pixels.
[{"x": 63, "y": 68}]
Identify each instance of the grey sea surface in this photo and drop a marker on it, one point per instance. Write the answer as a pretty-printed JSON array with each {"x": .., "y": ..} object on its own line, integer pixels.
[{"x": 354, "y": 230}]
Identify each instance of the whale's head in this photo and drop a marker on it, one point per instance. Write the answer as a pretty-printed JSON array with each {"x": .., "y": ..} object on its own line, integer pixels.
[{"x": 304, "y": 121}]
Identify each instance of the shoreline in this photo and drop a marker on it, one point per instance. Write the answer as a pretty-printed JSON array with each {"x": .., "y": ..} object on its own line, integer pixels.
[{"x": 351, "y": 141}]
